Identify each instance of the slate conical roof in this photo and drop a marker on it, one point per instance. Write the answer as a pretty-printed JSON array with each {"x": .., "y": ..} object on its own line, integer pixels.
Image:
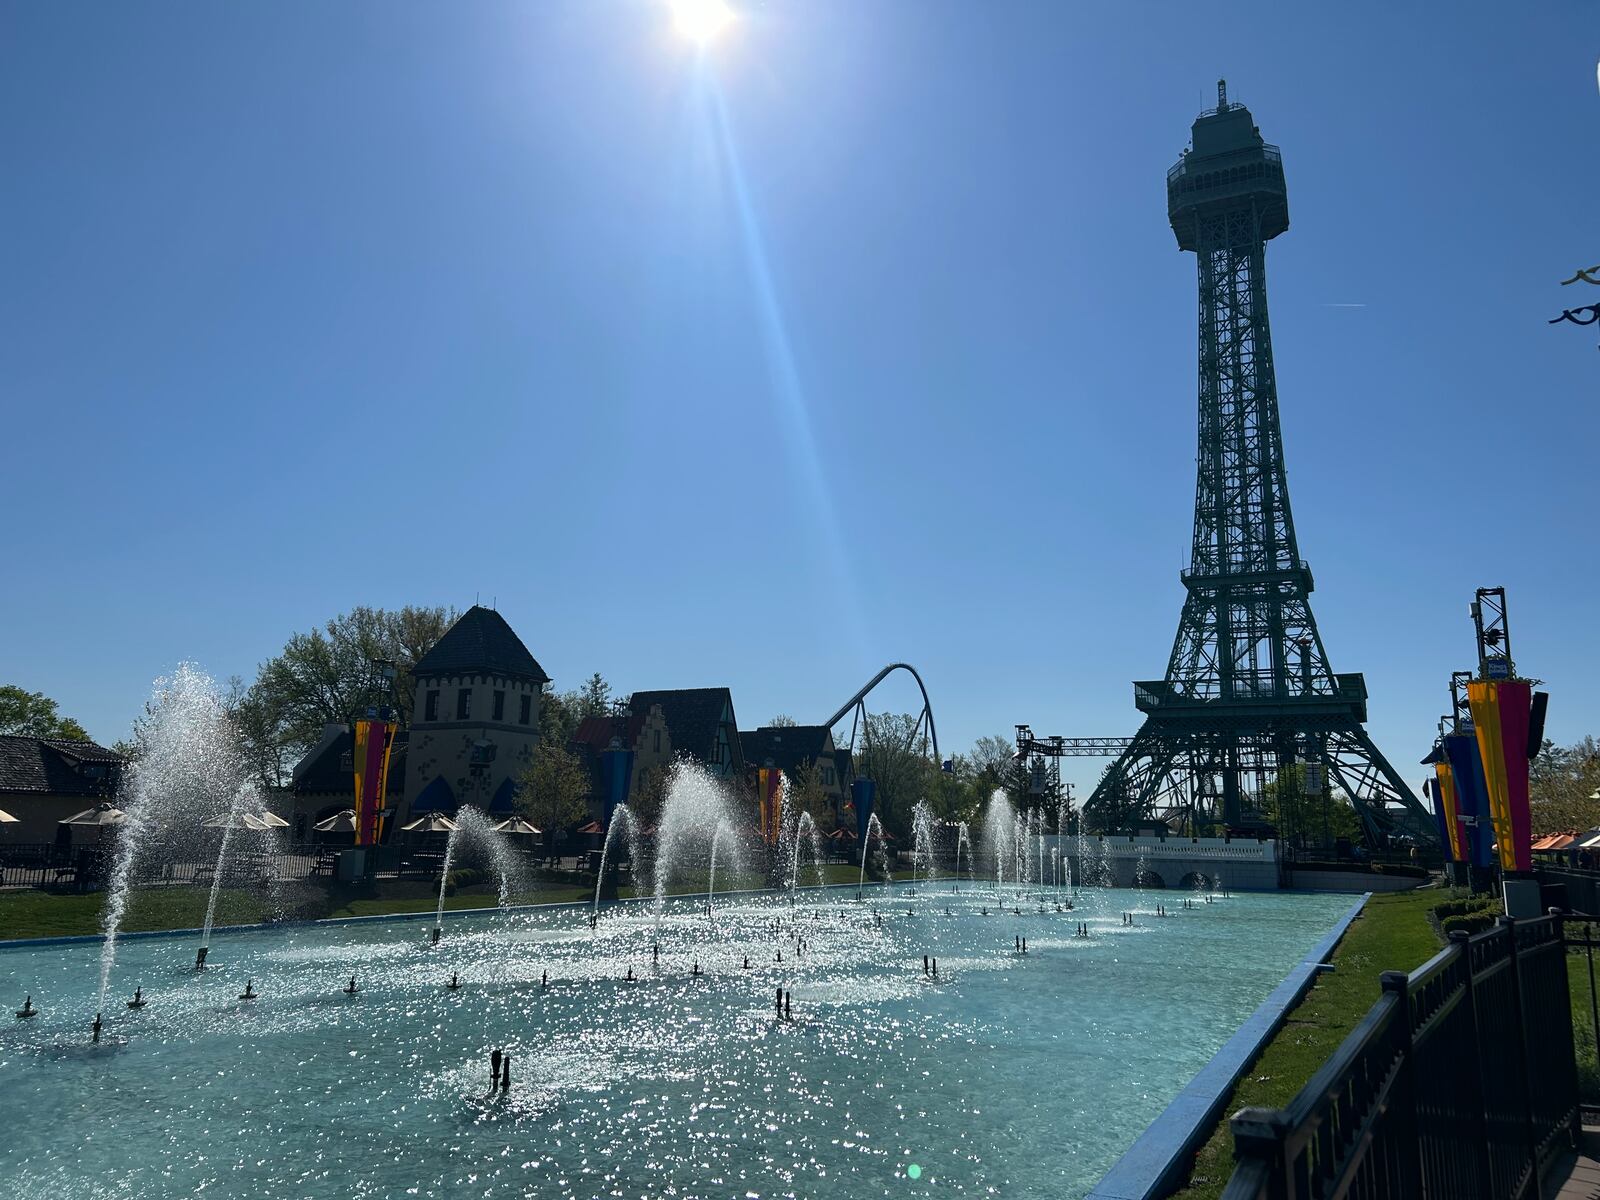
[{"x": 481, "y": 643}]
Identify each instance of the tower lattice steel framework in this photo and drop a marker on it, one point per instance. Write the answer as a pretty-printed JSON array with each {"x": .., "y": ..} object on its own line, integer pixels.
[{"x": 1249, "y": 695}]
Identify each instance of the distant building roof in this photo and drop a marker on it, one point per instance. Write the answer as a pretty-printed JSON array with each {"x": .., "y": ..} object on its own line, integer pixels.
[
  {"x": 56, "y": 766},
  {"x": 328, "y": 767},
  {"x": 693, "y": 717},
  {"x": 481, "y": 643},
  {"x": 598, "y": 731},
  {"x": 787, "y": 746}
]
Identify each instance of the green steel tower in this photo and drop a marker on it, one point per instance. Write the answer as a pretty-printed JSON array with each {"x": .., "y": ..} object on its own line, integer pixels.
[{"x": 1249, "y": 708}]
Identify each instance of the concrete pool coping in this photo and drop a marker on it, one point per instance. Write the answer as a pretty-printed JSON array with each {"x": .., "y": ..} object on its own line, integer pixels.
[
  {"x": 1159, "y": 1159},
  {"x": 84, "y": 939}
]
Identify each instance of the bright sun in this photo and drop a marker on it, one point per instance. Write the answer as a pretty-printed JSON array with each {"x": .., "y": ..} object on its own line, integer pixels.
[{"x": 700, "y": 19}]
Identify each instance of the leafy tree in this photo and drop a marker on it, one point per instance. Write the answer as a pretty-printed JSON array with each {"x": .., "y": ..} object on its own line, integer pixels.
[
  {"x": 782, "y": 721},
  {"x": 1562, "y": 781},
  {"x": 807, "y": 794},
  {"x": 552, "y": 788},
  {"x": 892, "y": 754},
  {"x": 1304, "y": 819},
  {"x": 649, "y": 793},
  {"x": 33, "y": 714},
  {"x": 322, "y": 677},
  {"x": 594, "y": 698}
]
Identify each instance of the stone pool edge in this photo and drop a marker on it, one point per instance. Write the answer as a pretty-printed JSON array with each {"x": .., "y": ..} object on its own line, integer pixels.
[{"x": 1154, "y": 1165}]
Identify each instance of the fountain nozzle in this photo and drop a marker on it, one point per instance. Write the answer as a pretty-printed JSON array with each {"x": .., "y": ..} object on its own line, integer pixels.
[
  {"x": 138, "y": 1000},
  {"x": 96, "y": 1029},
  {"x": 437, "y": 934},
  {"x": 27, "y": 1010},
  {"x": 200, "y": 958},
  {"x": 249, "y": 992}
]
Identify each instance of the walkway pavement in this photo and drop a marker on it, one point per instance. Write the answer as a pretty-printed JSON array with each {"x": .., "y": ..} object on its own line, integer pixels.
[{"x": 1577, "y": 1175}]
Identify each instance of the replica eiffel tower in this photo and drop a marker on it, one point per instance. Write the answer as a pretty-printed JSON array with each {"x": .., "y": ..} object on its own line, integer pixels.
[{"x": 1249, "y": 708}]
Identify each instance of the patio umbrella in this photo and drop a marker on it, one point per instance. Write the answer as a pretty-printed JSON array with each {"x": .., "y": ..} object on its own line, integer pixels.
[
  {"x": 432, "y": 823},
  {"x": 1590, "y": 841},
  {"x": 270, "y": 820},
  {"x": 230, "y": 820},
  {"x": 592, "y": 827},
  {"x": 104, "y": 813},
  {"x": 340, "y": 822},
  {"x": 516, "y": 825},
  {"x": 6, "y": 818}
]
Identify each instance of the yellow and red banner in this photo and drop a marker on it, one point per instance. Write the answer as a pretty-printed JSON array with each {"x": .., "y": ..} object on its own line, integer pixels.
[
  {"x": 370, "y": 759},
  {"x": 1500, "y": 719},
  {"x": 769, "y": 798},
  {"x": 1444, "y": 790}
]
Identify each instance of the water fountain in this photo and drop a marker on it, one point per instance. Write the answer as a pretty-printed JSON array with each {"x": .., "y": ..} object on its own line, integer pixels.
[
  {"x": 472, "y": 826},
  {"x": 802, "y": 831},
  {"x": 921, "y": 843},
  {"x": 622, "y": 823},
  {"x": 963, "y": 838},
  {"x": 185, "y": 768},
  {"x": 696, "y": 818},
  {"x": 997, "y": 839},
  {"x": 866, "y": 847}
]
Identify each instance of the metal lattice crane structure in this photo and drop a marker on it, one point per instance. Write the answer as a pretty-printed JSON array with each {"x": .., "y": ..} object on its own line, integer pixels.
[{"x": 1249, "y": 692}]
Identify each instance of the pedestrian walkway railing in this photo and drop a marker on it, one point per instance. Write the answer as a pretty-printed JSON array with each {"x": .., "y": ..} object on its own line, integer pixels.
[{"x": 1458, "y": 1084}]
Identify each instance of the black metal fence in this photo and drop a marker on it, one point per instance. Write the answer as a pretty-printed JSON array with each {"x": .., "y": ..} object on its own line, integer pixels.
[
  {"x": 1570, "y": 888},
  {"x": 1460, "y": 1083}
]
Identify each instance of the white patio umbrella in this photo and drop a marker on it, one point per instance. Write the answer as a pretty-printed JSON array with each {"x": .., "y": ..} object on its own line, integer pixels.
[
  {"x": 340, "y": 822},
  {"x": 233, "y": 821},
  {"x": 517, "y": 825},
  {"x": 432, "y": 823},
  {"x": 104, "y": 813},
  {"x": 6, "y": 818},
  {"x": 271, "y": 820}
]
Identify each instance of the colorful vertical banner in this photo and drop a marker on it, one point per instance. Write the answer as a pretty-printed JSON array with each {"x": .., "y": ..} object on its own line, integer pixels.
[
  {"x": 616, "y": 765},
  {"x": 1500, "y": 717},
  {"x": 769, "y": 798},
  {"x": 1452, "y": 838},
  {"x": 862, "y": 792},
  {"x": 1472, "y": 801},
  {"x": 371, "y": 762}
]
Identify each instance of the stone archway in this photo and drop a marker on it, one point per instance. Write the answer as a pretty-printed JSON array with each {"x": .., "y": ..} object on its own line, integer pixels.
[{"x": 1196, "y": 881}]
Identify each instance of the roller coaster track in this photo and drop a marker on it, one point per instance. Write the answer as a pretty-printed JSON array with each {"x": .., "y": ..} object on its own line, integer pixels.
[{"x": 856, "y": 709}]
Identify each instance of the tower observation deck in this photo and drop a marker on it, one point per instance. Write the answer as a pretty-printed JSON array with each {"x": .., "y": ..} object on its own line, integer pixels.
[{"x": 1250, "y": 717}]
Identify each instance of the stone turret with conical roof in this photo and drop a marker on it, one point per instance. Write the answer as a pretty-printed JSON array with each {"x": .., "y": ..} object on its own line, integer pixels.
[{"x": 476, "y": 719}]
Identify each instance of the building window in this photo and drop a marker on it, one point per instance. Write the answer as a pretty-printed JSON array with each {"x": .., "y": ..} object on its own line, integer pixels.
[
  {"x": 430, "y": 706},
  {"x": 499, "y": 706},
  {"x": 827, "y": 776},
  {"x": 464, "y": 704},
  {"x": 658, "y": 741},
  {"x": 347, "y": 761},
  {"x": 527, "y": 711}
]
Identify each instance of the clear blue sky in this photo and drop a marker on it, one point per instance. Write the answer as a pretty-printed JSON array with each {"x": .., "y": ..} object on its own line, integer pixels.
[{"x": 859, "y": 337}]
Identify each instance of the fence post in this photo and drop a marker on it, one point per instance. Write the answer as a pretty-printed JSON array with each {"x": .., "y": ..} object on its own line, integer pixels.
[
  {"x": 1259, "y": 1135},
  {"x": 1478, "y": 1136},
  {"x": 1519, "y": 1020},
  {"x": 1403, "y": 1108},
  {"x": 1575, "y": 1127}
]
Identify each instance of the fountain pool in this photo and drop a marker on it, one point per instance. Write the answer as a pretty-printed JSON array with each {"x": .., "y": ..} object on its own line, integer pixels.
[{"x": 1012, "y": 1075}]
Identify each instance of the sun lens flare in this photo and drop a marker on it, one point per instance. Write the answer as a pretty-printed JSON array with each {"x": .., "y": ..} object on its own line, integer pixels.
[{"x": 700, "y": 20}]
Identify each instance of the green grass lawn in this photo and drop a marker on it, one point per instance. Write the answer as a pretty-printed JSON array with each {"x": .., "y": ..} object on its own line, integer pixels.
[
  {"x": 31, "y": 914},
  {"x": 1391, "y": 934}
]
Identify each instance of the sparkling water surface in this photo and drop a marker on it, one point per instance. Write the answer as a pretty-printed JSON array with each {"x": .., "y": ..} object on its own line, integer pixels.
[{"x": 1009, "y": 1076}]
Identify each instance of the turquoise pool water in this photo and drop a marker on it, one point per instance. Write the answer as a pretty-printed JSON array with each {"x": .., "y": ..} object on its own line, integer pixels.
[{"x": 1012, "y": 1076}]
